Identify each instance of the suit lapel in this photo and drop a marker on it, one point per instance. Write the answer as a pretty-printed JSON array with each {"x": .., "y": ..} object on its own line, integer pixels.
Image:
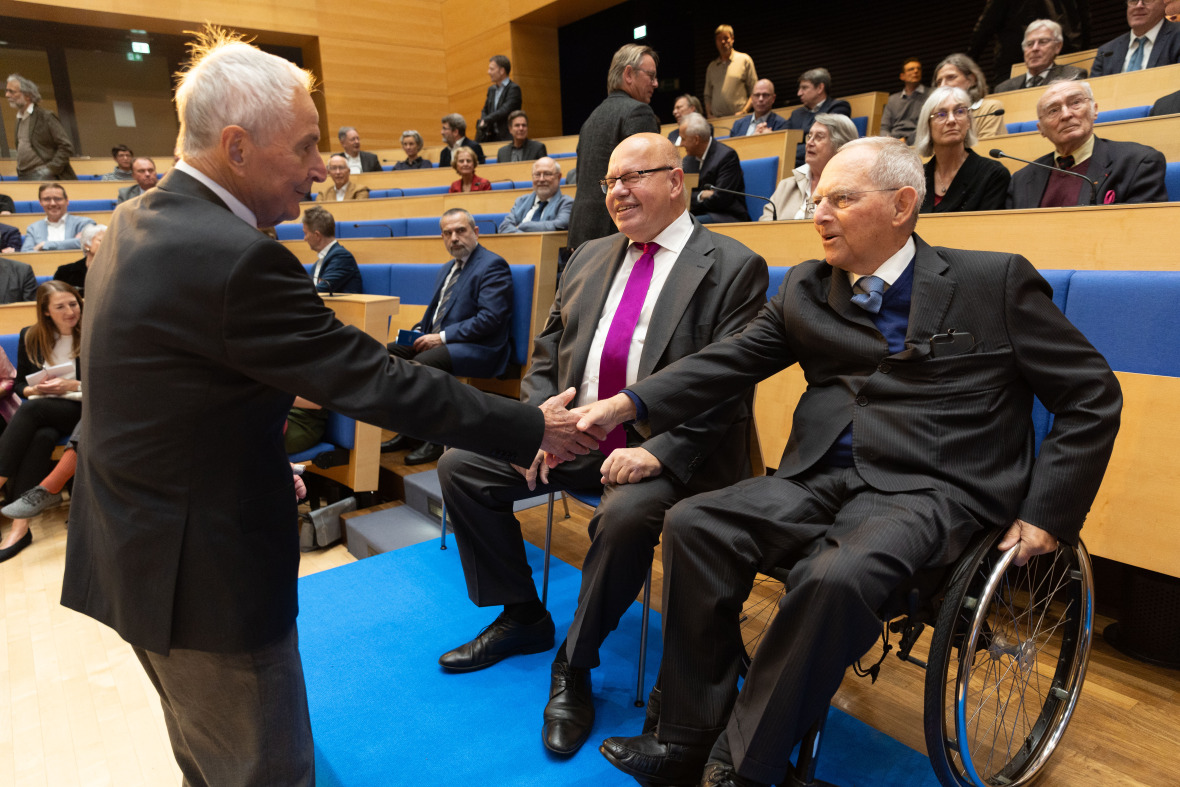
[
  {"x": 840, "y": 299},
  {"x": 929, "y": 300},
  {"x": 1038, "y": 180},
  {"x": 690, "y": 267},
  {"x": 591, "y": 304},
  {"x": 1099, "y": 170}
]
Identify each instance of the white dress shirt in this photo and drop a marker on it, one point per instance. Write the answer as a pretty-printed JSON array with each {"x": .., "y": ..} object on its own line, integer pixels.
[
  {"x": 235, "y": 205},
  {"x": 1151, "y": 35}
]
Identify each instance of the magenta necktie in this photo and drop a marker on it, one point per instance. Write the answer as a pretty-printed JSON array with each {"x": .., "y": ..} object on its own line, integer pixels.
[{"x": 612, "y": 371}]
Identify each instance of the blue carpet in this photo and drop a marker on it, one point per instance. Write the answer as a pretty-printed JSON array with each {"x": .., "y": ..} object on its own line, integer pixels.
[{"x": 384, "y": 713}]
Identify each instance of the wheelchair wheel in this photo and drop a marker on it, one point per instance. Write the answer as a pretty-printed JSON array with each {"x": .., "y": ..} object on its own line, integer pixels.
[
  {"x": 760, "y": 608},
  {"x": 1007, "y": 662}
]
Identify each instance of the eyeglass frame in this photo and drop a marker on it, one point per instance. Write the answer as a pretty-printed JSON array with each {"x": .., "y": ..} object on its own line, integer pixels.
[
  {"x": 609, "y": 183},
  {"x": 843, "y": 197},
  {"x": 1053, "y": 112},
  {"x": 943, "y": 116}
]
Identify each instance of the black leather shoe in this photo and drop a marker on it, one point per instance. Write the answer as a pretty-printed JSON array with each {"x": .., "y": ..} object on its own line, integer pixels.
[
  {"x": 16, "y": 548},
  {"x": 651, "y": 762},
  {"x": 400, "y": 443},
  {"x": 651, "y": 716},
  {"x": 503, "y": 638},
  {"x": 720, "y": 774},
  {"x": 427, "y": 452},
  {"x": 569, "y": 715}
]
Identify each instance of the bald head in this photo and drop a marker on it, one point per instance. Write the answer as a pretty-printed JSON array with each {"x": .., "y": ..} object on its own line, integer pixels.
[
  {"x": 762, "y": 97},
  {"x": 643, "y": 205},
  {"x": 546, "y": 178}
]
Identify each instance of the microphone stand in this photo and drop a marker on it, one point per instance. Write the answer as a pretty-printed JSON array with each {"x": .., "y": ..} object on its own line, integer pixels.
[
  {"x": 773, "y": 209},
  {"x": 997, "y": 153}
]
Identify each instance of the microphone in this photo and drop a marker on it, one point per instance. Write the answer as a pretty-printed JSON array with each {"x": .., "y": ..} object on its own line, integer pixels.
[
  {"x": 773, "y": 209},
  {"x": 997, "y": 112},
  {"x": 997, "y": 153},
  {"x": 356, "y": 225}
]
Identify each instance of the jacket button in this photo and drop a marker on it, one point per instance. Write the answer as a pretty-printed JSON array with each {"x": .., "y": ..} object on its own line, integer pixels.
[
  {"x": 884, "y": 368},
  {"x": 862, "y": 400}
]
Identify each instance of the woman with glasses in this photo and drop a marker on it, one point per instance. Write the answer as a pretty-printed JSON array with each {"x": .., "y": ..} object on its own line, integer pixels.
[
  {"x": 960, "y": 71},
  {"x": 792, "y": 196},
  {"x": 957, "y": 178}
]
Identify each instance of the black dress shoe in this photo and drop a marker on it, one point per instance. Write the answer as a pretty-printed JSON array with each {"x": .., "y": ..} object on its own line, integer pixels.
[
  {"x": 16, "y": 548},
  {"x": 651, "y": 715},
  {"x": 569, "y": 715},
  {"x": 400, "y": 443},
  {"x": 720, "y": 774},
  {"x": 652, "y": 762},
  {"x": 427, "y": 452},
  {"x": 503, "y": 638}
]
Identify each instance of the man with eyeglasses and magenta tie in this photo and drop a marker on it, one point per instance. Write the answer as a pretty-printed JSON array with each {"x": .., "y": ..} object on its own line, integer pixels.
[
  {"x": 627, "y": 305},
  {"x": 1153, "y": 41}
]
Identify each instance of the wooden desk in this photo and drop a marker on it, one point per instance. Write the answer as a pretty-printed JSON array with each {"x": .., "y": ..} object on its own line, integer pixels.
[
  {"x": 22, "y": 220},
  {"x": 1080, "y": 59},
  {"x": 75, "y": 189},
  {"x": 45, "y": 263},
  {"x": 1137, "y": 88},
  {"x": 1161, "y": 133}
]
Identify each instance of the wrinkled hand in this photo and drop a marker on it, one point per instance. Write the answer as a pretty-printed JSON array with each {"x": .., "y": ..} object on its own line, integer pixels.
[
  {"x": 538, "y": 469},
  {"x": 426, "y": 342},
  {"x": 629, "y": 465},
  {"x": 1033, "y": 541},
  {"x": 564, "y": 439},
  {"x": 606, "y": 414}
]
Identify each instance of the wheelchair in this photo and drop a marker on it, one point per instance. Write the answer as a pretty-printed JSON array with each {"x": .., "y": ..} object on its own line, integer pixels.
[{"x": 1007, "y": 659}]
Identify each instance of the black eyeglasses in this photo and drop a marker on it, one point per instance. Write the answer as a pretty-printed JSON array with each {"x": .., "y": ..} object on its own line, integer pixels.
[{"x": 630, "y": 179}]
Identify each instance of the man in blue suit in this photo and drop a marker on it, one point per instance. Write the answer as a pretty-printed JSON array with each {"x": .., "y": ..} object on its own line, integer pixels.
[
  {"x": 1153, "y": 41},
  {"x": 544, "y": 210},
  {"x": 815, "y": 88},
  {"x": 58, "y": 230},
  {"x": 335, "y": 270},
  {"x": 465, "y": 327},
  {"x": 761, "y": 120}
]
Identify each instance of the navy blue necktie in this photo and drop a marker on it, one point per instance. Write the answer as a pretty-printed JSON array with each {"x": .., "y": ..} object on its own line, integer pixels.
[{"x": 868, "y": 293}]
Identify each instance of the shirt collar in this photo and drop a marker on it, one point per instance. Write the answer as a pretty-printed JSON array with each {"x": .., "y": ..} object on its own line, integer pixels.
[
  {"x": 26, "y": 111},
  {"x": 59, "y": 222},
  {"x": 324, "y": 251},
  {"x": 891, "y": 270},
  {"x": 674, "y": 237},
  {"x": 1151, "y": 34},
  {"x": 503, "y": 82},
  {"x": 236, "y": 206}
]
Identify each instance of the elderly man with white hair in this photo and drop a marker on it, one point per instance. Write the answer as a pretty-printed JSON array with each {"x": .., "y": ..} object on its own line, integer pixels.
[
  {"x": 182, "y": 535},
  {"x": 719, "y": 172},
  {"x": 74, "y": 273},
  {"x": 43, "y": 148},
  {"x": 545, "y": 209},
  {"x": 1042, "y": 43}
]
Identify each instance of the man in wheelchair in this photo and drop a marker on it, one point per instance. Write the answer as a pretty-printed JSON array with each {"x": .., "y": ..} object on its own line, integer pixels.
[{"x": 913, "y": 435}]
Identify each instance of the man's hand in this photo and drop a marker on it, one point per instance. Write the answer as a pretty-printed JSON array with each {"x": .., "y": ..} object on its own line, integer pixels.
[
  {"x": 606, "y": 414},
  {"x": 426, "y": 342},
  {"x": 762, "y": 128},
  {"x": 1033, "y": 541},
  {"x": 629, "y": 465},
  {"x": 564, "y": 439},
  {"x": 38, "y": 246},
  {"x": 538, "y": 469},
  {"x": 704, "y": 195}
]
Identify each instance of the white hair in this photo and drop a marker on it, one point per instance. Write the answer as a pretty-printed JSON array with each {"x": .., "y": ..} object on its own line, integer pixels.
[
  {"x": 897, "y": 166},
  {"x": 231, "y": 83},
  {"x": 695, "y": 125},
  {"x": 923, "y": 143},
  {"x": 1048, "y": 24},
  {"x": 86, "y": 237}
]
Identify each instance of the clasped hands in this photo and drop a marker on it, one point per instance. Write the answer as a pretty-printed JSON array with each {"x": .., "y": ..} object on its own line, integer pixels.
[{"x": 571, "y": 433}]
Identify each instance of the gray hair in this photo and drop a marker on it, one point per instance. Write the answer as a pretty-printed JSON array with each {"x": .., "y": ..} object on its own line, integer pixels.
[
  {"x": 27, "y": 86},
  {"x": 343, "y": 132},
  {"x": 923, "y": 142},
  {"x": 969, "y": 67},
  {"x": 456, "y": 121},
  {"x": 897, "y": 166},
  {"x": 556, "y": 164},
  {"x": 1053, "y": 28},
  {"x": 694, "y": 124},
  {"x": 818, "y": 76},
  {"x": 628, "y": 55},
  {"x": 454, "y": 211},
  {"x": 1085, "y": 86},
  {"x": 411, "y": 133},
  {"x": 841, "y": 129},
  {"x": 231, "y": 83},
  {"x": 86, "y": 237}
]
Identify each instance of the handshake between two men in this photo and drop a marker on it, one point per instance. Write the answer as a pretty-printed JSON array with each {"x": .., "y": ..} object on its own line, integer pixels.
[{"x": 577, "y": 431}]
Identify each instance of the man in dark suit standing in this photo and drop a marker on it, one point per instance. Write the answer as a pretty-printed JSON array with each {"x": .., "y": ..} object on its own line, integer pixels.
[
  {"x": 196, "y": 341},
  {"x": 358, "y": 160},
  {"x": 521, "y": 148},
  {"x": 717, "y": 165},
  {"x": 454, "y": 135},
  {"x": 335, "y": 271},
  {"x": 1124, "y": 172},
  {"x": 630, "y": 83},
  {"x": 902, "y": 448},
  {"x": 762, "y": 119},
  {"x": 1041, "y": 45},
  {"x": 503, "y": 99},
  {"x": 663, "y": 288},
  {"x": 815, "y": 87},
  {"x": 1153, "y": 41}
]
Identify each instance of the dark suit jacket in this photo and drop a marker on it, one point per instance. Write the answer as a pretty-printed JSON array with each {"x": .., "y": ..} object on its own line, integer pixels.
[
  {"x": 774, "y": 120},
  {"x": 444, "y": 158},
  {"x": 17, "y": 282},
  {"x": 51, "y": 142},
  {"x": 716, "y": 286},
  {"x": 10, "y": 237},
  {"x": 182, "y": 510},
  {"x": 1057, "y": 73},
  {"x": 74, "y": 274},
  {"x": 1134, "y": 172},
  {"x": 370, "y": 162},
  {"x": 1168, "y": 105},
  {"x": 616, "y": 118},
  {"x": 477, "y": 315},
  {"x": 339, "y": 273},
  {"x": 533, "y": 150},
  {"x": 129, "y": 192},
  {"x": 959, "y": 424},
  {"x": 1164, "y": 52},
  {"x": 721, "y": 167},
  {"x": 980, "y": 184},
  {"x": 803, "y": 118},
  {"x": 495, "y": 115}
]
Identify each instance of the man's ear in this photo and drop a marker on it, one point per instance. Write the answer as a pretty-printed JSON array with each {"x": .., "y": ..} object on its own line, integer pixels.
[{"x": 235, "y": 141}]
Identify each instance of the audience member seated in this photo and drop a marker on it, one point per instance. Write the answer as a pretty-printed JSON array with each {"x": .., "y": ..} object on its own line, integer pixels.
[
  {"x": 47, "y": 493},
  {"x": 504, "y": 98},
  {"x": 123, "y": 158},
  {"x": 335, "y": 270},
  {"x": 74, "y": 273},
  {"x": 1168, "y": 105},
  {"x": 900, "y": 117},
  {"x": 17, "y": 282},
  {"x": 762, "y": 119},
  {"x": 53, "y": 404},
  {"x": 454, "y": 136},
  {"x": 58, "y": 230},
  {"x": 729, "y": 80},
  {"x": 144, "y": 171},
  {"x": 960, "y": 71},
  {"x": 684, "y": 104},
  {"x": 815, "y": 87},
  {"x": 1152, "y": 41},
  {"x": 358, "y": 160},
  {"x": 43, "y": 147},
  {"x": 1042, "y": 43},
  {"x": 464, "y": 163},
  {"x": 7, "y": 206},
  {"x": 465, "y": 328},
  {"x": 598, "y": 330},
  {"x": 412, "y": 145},
  {"x": 957, "y": 178},
  {"x": 521, "y": 148},
  {"x": 1123, "y": 172},
  {"x": 9, "y": 239},
  {"x": 718, "y": 166},
  {"x": 340, "y": 186},
  {"x": 546, "y": 209},
  {"x": 792, "y": 196}
]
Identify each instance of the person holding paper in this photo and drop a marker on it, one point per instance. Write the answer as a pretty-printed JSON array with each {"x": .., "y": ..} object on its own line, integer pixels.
[{"x": 48, "y": 376}]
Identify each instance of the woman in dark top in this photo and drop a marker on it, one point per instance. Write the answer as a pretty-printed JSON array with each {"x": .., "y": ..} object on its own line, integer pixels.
[
  {"x": 957, "y": 178},
  {"x": 412, "y": 145}
]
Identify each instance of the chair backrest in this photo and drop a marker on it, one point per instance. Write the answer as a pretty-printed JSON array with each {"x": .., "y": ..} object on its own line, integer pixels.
[
  {"x": 488, "y": 223},
  {"x": 761, "y": 176},
  {"x": 374, "y": 279},
  {"x": 423, "y": 225},
  {"x": 778, "y": 274},
  {"x": 43, "y": 278},
  {"x": 89, "y": 205},
  {"x": 862, "y": 124},
  {"x": 1172, "y": 180},
  {"x": 412, "y": 283},
  {"x": 289, "y": 230},
  {"x": 1123, "y": 113},
  {"x": 371, "y": 228},
  {"x": 340, "y": 430},
  {"x": 419, "y": 191},
  {"x": 9, "y": 343},
  {"x": 1130, "y": 316},
  {"x": 520, "y": 332},
  {"x": 1043, "y": 419}
]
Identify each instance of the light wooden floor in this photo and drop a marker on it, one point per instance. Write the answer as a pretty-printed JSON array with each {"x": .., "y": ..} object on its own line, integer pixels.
[{"x": 76, "y": 709}]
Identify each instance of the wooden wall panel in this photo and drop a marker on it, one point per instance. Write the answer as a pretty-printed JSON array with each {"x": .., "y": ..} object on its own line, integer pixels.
[{"x": 535, "y": 67}]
